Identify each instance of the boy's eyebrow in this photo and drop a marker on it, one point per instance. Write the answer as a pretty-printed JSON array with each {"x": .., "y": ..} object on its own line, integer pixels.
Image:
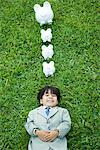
[{"x": 46, "y": 91}]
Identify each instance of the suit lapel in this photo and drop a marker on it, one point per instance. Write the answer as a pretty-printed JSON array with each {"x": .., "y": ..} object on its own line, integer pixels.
[
  {"x": 42, "y": 112},
  {"x": 52, "y": 113}
]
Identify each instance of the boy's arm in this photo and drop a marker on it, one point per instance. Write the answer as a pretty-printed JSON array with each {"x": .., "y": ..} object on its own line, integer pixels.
[
  {"x": 65, "y": 126},
  {"x": 30, "y": 126}
]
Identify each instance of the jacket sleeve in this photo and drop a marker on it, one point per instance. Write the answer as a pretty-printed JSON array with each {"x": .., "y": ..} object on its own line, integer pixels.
[
  {"x": 65, "y": 125},
  {"x": 30, "y": 126}
]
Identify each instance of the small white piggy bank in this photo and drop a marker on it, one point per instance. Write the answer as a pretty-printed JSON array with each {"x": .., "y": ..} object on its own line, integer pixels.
[
  {"x": 46, "y": 35},
  {"x": 47, "y": 51},
  {"x": 48, "y": 68},
  {"x": 44, "y": 15}
]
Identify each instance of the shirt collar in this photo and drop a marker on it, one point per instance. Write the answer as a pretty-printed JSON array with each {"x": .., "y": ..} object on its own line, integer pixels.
[
  {"x": 48, "y": 106},
  {"x": 45, "y": 107}
]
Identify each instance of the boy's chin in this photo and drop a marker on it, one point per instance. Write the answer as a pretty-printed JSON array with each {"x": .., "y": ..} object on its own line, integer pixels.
[{"x": 50, "y": 105}]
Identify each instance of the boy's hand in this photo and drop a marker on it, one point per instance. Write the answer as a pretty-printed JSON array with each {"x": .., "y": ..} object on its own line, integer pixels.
[
  {"x": 50, "y": 136},
  {"x": 42, "y": 134}
]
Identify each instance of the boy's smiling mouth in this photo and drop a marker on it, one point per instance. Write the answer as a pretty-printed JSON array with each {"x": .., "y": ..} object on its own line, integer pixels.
[{"x": 50, "y": 100}]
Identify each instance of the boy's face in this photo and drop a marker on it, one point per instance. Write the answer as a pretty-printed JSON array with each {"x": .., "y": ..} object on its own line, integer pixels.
[{"x": 49, "y": 99}]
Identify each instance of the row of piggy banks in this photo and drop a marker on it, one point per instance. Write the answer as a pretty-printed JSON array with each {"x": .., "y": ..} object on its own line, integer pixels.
[{"x": 44, "y": 15}]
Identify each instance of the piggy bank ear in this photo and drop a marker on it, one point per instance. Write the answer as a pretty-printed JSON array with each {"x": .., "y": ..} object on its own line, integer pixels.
[
  {"x": 42, "y": 31},
  {"x": 46, "y": 4},
  {"x": 51, "y": 46},
  {"x": 52, "y": 63},
  {"x": 43, "y": 47},
  {"x": 49, "y": 30},
  {"x": 44, "y": 63},
  {"x": 36, "y": 7}
]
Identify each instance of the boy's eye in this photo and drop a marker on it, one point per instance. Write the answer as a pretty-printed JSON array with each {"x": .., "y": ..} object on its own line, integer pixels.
[{"x": 53, "y": 95}]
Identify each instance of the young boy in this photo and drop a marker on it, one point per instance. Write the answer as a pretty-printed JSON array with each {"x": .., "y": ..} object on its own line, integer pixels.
[{"x": 48, "y": 124}]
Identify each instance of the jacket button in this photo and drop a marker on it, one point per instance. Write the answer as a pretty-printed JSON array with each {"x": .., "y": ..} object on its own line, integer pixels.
[{"x": 49, "y": 128}]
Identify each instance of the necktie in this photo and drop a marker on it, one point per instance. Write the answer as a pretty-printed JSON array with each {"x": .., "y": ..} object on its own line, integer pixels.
[{"x": 47, "y": 110}]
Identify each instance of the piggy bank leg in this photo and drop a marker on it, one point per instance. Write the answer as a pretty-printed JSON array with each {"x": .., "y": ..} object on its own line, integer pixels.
[
  {"x": 49, "y": 21},
  {"x": 42, "y": 22}
]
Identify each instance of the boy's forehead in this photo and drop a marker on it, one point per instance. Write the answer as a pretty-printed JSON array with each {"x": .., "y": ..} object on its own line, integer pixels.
[{"x": 48, "y": 91}]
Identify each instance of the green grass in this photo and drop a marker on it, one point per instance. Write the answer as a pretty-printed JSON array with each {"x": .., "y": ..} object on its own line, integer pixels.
[{"x": 76, "y": 46}]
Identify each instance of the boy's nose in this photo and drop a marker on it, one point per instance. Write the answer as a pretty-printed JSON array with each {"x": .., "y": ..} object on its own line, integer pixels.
[{"x": 50, "y": 96}]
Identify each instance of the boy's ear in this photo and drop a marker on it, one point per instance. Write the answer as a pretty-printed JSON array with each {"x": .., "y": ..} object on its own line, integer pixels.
[
  {"x": 57, "y": 102},
  {"x": 41, "y": 101}
]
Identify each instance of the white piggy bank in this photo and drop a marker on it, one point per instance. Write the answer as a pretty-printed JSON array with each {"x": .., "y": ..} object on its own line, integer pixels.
[
  {"x": 47, "y": 51},
  {"x": 46, "y": 35},
  {"x": 48, "y": 68},
  {"x": 44, "y": 15}
]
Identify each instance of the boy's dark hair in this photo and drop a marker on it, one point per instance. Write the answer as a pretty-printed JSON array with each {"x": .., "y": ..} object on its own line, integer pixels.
[{"x": 53, "y": 90}]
